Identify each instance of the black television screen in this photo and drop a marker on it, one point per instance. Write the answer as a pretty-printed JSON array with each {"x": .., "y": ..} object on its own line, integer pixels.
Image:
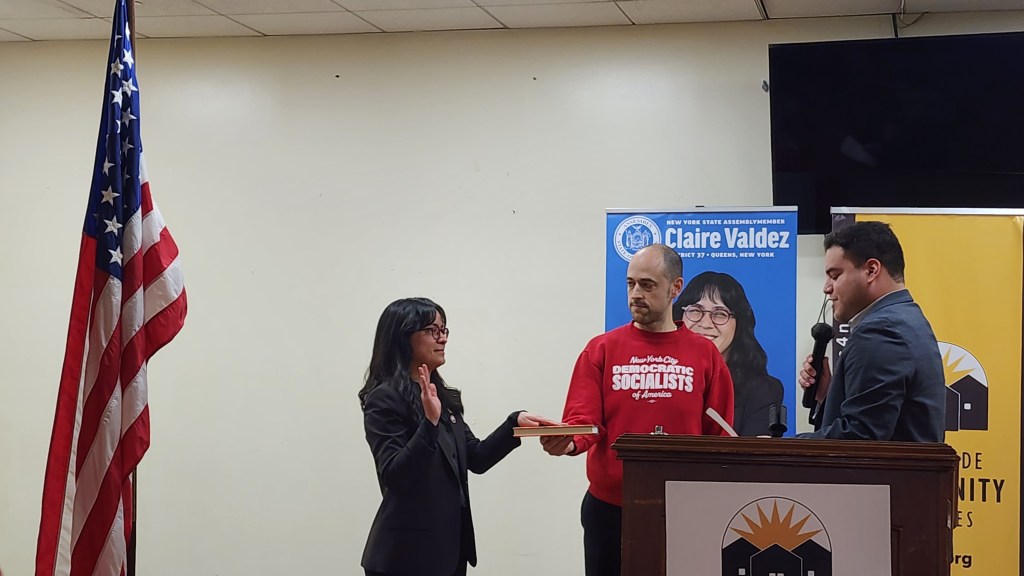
[{"x": 906, "y": 122}]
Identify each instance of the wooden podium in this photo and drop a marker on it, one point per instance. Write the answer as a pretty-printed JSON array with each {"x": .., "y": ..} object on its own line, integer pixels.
[{"x": 922, "y": 480}]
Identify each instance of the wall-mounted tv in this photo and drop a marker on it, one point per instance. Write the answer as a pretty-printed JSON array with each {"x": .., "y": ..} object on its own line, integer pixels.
[{"x": 905, "y": 122}]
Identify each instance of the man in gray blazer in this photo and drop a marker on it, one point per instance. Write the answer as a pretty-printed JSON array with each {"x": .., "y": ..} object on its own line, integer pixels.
[{"x": 888, "y": 382}]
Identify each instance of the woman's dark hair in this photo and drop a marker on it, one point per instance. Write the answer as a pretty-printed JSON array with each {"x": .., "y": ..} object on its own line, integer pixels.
[
  {"x": 392, "y": 349},
  {"x": 746, "y": 360}
]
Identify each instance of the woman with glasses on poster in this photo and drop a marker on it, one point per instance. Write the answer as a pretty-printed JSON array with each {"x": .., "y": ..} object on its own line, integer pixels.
[
  {"x": 714, "y": 305},
  {"x": 422, "y": 448}
]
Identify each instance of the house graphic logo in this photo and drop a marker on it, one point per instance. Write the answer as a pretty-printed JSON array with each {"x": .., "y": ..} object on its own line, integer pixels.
[
  {"x": 966, "y": 389},
  {"x": 776, "y": 536}
]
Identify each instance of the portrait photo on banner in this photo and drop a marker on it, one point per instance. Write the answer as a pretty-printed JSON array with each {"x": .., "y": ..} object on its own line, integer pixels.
[{"x": 739, "y": 291}]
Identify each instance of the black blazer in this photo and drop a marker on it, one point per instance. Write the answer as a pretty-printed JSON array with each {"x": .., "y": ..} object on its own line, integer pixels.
[
  {"x": 754, "y": 399},
  {"x": 422, "y": 527}
]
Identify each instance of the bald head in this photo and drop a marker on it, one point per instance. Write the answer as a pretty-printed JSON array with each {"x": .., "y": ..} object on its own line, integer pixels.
[{"x": 670, "y": 262}]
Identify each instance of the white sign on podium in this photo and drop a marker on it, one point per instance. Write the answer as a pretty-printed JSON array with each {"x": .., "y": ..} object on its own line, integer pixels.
[{"x": 762, "y": 529}]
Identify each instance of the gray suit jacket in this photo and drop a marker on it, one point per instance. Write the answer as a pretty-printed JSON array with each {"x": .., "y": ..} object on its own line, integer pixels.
[{"x": 888, "y": 383}]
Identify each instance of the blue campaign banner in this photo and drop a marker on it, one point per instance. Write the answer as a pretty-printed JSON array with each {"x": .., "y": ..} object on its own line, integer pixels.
[{"x": 738, "y": 260}]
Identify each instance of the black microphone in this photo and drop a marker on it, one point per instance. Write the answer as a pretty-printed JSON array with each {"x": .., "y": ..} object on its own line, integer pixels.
[
  {"x": 777, "y": 420},
  {"x": 822, "y": 334}
]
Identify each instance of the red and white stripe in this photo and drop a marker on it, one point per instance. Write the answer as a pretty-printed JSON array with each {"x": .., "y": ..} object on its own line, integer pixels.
[{"x": 101, "y": 427}]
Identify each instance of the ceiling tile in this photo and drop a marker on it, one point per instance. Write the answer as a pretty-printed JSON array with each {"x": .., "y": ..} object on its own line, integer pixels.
[
  {"x": 818, "y": 8},
  {"x": 921, "y": 6},
  {"x": 666, "y": 11},
  {"x": 14, "y": 9},
  {"x": 355, "y": 5},
  {"x": 190, "y": 27},
  {"x": 6, "y": 36},
  {"x": 313, "y": 23},
  {"x": 535, "y": 2},
  {"x": 105, "y": 8},
  {"x": 232, "y": 7},
  {"x": 435, "y": 19},
  {"x": 59, "y": 28},
  {"x": 560, "y": 15}
]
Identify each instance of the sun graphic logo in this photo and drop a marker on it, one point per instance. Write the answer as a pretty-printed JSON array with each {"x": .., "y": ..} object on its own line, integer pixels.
[
  {"x": 966, "y": 389},
  {"x": 776, "y": 536}
]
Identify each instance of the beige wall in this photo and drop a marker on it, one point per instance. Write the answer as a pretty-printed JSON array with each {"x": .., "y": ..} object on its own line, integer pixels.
[{"x": 309, "y": 182}]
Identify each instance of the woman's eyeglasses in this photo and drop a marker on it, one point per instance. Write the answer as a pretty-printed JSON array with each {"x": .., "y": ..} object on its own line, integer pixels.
[
  {"x": 719, "y": 317},
  {"x": 435, "y": 331}
]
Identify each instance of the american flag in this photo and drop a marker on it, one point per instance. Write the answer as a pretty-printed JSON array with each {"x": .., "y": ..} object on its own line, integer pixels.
[{"x": 129, "y": 300}]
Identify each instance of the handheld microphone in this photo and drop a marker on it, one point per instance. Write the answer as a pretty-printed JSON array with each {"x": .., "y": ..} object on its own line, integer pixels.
[{"x": 822, "y": 334}]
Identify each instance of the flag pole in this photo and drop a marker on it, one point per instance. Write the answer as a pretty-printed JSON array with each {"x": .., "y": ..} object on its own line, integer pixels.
[
  {"x": 130, "y": 560},
  {"x": 130, "y": 569}
]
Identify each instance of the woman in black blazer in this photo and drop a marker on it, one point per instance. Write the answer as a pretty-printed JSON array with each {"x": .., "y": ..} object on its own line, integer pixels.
[{"x": 422, "y": 448}]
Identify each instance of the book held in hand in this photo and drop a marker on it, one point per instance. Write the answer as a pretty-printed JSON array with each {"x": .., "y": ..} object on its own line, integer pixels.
[{"x": 559, "y": 430}]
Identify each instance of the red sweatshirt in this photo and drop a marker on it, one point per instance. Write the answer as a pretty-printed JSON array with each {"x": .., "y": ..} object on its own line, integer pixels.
[{"x": 629, "y": 381}]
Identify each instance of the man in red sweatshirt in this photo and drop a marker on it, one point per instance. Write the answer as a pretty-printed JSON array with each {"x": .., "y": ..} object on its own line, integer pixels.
[{"x": 650, "y": 372}]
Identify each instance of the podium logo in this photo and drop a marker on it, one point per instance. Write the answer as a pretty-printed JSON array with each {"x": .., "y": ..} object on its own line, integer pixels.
[
  {"x": 776, "y": 537},
  {"x": 966, "y": 389},
  {"x": 633, "y": 234}
]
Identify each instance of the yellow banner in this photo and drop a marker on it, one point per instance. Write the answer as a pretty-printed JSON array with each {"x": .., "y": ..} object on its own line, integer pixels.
[{"x": 965, "y": 272}]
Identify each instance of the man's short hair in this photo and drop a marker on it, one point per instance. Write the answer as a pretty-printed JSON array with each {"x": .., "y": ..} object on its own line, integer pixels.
[{"x": 862, "y": 241}]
